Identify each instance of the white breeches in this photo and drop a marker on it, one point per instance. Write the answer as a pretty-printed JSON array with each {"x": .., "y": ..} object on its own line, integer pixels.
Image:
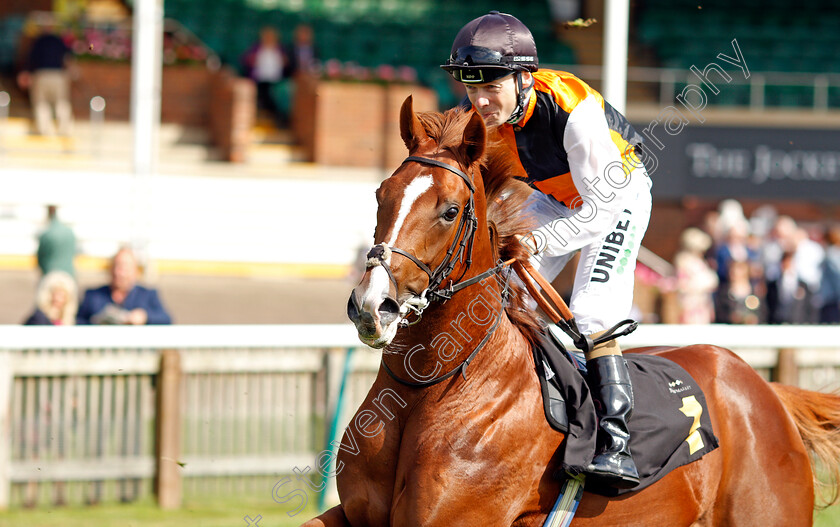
[{"x": 603, "y": 290}]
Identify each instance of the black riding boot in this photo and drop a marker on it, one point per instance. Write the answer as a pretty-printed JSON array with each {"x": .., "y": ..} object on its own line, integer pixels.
[{"x": 609, "y": 380}]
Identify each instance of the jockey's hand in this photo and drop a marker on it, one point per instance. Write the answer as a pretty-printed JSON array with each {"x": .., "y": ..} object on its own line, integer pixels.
[{"x": 529, "y": 243}]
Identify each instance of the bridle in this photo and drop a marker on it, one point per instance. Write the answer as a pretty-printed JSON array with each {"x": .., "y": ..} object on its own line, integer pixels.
[
  {"x": 459, "y": 251},
  {"x": 465, "y": 233}
]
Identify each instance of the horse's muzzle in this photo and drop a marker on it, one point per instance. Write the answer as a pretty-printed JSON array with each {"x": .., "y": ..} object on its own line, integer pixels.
[{"x": 376, "y": 321}]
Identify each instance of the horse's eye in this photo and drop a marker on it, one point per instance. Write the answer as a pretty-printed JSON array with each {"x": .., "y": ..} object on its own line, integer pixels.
[{"x": 450, "y": 214}]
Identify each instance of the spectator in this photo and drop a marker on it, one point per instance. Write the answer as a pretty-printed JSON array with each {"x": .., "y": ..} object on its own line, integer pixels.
[
  {"x": 122, "y": 301},
  {"x": 55, "y": 302},
  {"x": 304, "y": 56},
  {"x": 730, "y": 212},
  {"x": 738, "y": 300},
  {"x": 47, "y": 76},
  {"x": 789, "y": 298},
  {"x": 56, "y": 246},
  {"x": 267, "y": 63},
  {"x": 830, "y": 287},
  {"x": 735, "y": 248},
  {"x": 807, "y": 258},
  {"x": 696, "y": 281},
  {"x": 781, "y": 239},
  {"x": 711, "y": 226},
  {"x": 762, "y": 220}
]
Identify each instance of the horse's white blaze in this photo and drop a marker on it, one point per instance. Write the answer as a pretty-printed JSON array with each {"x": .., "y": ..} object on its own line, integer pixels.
[
  {"x": 377, "y": 289},
  {"x": 379, "y": 282},
  {"x": 414, "y": 190}
]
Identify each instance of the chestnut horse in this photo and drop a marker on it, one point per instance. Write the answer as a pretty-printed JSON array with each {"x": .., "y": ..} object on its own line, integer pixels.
[{"x": 468, "y": 444}]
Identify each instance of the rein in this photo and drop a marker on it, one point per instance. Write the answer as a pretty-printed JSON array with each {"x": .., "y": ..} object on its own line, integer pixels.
[{"x": 559, "y": 313}]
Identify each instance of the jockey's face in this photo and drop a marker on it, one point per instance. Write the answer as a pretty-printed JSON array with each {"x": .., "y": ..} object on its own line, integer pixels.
[{"x": 495, "y": 100}]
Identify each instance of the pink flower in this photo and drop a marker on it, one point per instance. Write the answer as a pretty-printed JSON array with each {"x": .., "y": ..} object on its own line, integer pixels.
[
  {"x": 386, "y": 72},
  {"x": 79, "y": 48},
  {"x": 407, "y": 74},
  {"x": 333, "y": 68}
]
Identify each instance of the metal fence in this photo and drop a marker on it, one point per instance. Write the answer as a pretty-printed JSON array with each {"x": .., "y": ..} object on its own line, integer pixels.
[{"x": 90, "y": 414}]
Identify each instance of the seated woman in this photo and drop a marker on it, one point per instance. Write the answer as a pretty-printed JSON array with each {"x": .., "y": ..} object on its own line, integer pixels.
[{"x": 55, "y": 302}]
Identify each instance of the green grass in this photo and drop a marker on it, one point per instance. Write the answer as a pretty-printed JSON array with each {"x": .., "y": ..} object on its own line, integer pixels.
[{"x": 207, "y": 512}]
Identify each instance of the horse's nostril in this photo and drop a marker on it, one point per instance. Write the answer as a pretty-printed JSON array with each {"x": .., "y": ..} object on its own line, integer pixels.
[
  {"x": 353, "y": 308},
  {"x": 389, "y": 310}
]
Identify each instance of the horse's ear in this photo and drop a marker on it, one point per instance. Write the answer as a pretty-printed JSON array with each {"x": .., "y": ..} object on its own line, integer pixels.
[
  {"x": 475, "y": 137},
  {"x": 411, "y": 129}
]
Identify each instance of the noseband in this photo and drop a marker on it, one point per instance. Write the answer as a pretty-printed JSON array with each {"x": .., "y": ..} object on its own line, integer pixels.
[{"x": 460, "y": 250}]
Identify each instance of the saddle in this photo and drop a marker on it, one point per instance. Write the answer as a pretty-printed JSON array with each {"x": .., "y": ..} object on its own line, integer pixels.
[{"x": 669, "y": 427}]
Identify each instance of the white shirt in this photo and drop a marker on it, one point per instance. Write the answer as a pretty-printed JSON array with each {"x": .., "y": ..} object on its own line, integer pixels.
[{"x": 268, "y": 65}]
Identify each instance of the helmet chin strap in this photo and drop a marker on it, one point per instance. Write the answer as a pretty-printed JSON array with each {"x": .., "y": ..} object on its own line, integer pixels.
[{"x": 522, "y": 93}]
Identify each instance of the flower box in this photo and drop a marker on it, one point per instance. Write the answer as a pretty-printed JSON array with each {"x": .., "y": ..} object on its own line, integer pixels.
[
  {"x": 185, "y": 92},
  {"x": 347, "y": 123}
]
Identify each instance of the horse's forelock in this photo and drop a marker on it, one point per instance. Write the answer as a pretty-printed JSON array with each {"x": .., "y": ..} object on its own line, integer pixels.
[{"x": 447, "y": 130}]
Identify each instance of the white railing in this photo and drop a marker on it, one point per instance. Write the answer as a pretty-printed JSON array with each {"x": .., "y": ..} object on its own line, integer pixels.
[
  {"x": 80, "y": 404},
  {"x": 822, "y": 337}
]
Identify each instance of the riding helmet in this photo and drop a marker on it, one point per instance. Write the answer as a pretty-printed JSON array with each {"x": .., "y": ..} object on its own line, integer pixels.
[{"x": 491, "y": 46}]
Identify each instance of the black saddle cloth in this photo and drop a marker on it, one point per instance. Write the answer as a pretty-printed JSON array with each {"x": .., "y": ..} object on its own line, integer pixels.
[{"x": 669, "y": 426}]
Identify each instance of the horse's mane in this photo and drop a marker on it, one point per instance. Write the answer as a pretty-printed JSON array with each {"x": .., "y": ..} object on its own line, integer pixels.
[{"x": 505, "y": 197}]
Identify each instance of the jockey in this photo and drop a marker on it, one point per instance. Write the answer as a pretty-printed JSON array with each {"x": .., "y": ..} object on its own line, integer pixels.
[{"x": 591, "y": 194}]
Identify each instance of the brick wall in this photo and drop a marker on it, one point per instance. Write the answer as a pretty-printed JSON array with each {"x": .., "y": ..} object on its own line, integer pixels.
[
  {"x": 22, "y": 7},
  {"x": 185, "y": 96},
  {"x": 349, "y": 124},
  {"x": 353, "y": 123},
  {"x": 107, "y": 80},
  {"x": 185, "y": 92},
  {"x": 233, "y": 115},
  {"x": 194, "y": 96}
]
